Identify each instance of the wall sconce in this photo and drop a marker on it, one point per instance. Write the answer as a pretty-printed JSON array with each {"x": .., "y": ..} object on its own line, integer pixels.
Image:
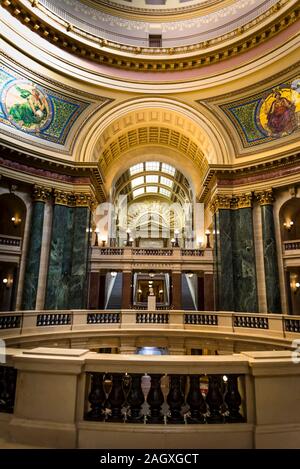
[
  {"x": 190, "y": 274},
  {"x": 295, "y": 286},
  {"x": 113, "y": 274},
  {"x": 207, "y": 233},
  {"x": 288, "y": 225},
  {"x": 151, "y": 273},
  {"x": 16, "y": 220},
  {"x": 7, "y": 282}
]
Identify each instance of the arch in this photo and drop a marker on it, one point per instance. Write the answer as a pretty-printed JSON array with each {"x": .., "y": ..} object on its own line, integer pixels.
[
  {"x": 143, "y": 122},
  {"x": 289, "y": 217},
  {"x": 13, "y": 214}
]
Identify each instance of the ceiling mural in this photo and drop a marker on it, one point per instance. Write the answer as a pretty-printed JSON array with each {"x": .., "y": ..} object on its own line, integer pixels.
[
  {"x": 269, "y": 115},
  {"x": 38, "y": 111}
]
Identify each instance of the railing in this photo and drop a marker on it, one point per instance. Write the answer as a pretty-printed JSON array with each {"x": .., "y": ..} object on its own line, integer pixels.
[
  {"x": 10, "y": 321},
  {"x": 23, "y": 323},
  {"x": 253, "y": 322},
  {"x": 291, "y": 245},
  {"x": 111, "y": 251},
  {"x": 151, "y": 252},
  {"x": 103, "y": 318},
  {"x": 292, "y": 325},
  {"x": 8, "y": 378},
  {"x": 204, "y": 401},
  {"x": 10, "y": 243},
  {"x": 187, "y": 399},
  {"x": 201, "y": 319},
  {"x": 192, "y": 252},
  {"x": 152, "y": 318}
]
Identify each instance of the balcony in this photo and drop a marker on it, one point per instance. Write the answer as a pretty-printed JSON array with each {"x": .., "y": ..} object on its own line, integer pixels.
[
  {"x": 291, "y": 253},
  {"x": 10, "y": 244},
  {"x": 62, "y": 398},
  {"x": 152, "y": 258}
]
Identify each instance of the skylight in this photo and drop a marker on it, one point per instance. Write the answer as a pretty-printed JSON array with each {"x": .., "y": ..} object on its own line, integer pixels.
[
  {"x": 137, "y": 168},
  {"x": 152, "y": 189},
  {"x": 138, "y": 192},
  {"x": 152, "y": 166},
  {"x": 164, "y": 191},
  {"x": 152, "y": 178},
  {"x": 166, "y": 181},
  {"x": 166, "y": 168},
  {"x": 137, "y": 181}
]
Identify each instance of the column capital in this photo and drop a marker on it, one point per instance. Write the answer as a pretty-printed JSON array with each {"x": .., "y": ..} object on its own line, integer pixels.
[
  {"x": 41, "y": 193},
  {"x": 241, "y": 201},
  {"x": 220, "y": 202},
  {"x": 84, "y": 200},
  {"x": 265, "y": 197},
  {"x": 63, "y": 198}
]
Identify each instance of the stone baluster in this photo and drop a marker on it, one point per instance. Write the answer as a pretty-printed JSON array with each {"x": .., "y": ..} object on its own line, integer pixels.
[
  {"x": 175, "y": 399},
  {"x": 135, "y": 399},
  {"x": 116, "y": 398},
  {"x": 155, "y": 399},
  {"x": 233, "y": 400},
  {"x": 96, "y": 397},
  {"x": 214, "y": 399},
  {"x": 196, "y": 401}
]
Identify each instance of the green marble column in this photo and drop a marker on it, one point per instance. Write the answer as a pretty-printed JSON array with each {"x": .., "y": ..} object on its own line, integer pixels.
[
  {"x": 234, "y": 255},
  {"x": 223, "y": 258},
  {"x": 266, "y": 200},
  {"x": 78, "y": 279},
  {"x": 32, "y": 269},
  {"x": 67, "y": 272},
  {"x": 243, "y": 259}
]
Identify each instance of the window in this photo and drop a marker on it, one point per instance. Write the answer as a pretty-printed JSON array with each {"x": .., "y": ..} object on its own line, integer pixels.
[
  {"x": 166, "y": 181},
  {"x": 152, "y": 166},
  {"x": 166, "y": 168},
  {"x": 164, "y": 191},
  {"x": 138, "y": 192},
  {"x": 137, "y": 168},
  {"x": 137, "y": 181},
  {"x": 152, "y": 178},
  {"x": 151, "y": 189},
  {"x": 155, "y": 40}
]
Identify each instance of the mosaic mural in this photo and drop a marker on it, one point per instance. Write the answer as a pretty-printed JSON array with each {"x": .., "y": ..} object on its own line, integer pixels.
[
  {"x": 38, "y": 111},
  {"x": 272, "y": 114}
]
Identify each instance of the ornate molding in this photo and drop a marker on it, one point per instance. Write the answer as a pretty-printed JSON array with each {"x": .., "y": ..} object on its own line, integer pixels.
[
  {"x": 64, "y": 198},
  {"x": 74, "y": 199},
  {"x": 41, "y": 193},
  {"x": 265, "y": 197},
  {"x": 231, "y": 202},
  {"x": 84, "y": 200},
  {"x": 141, "y": 58}
]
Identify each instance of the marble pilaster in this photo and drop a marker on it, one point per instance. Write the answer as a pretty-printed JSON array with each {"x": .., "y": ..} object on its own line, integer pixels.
[
  {"x": 270, "y": 252},
  {"x": 40, "y": 195}
]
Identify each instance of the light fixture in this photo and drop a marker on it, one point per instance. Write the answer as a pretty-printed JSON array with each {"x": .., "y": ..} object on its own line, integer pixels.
[
  {"x": 150, "y": 282},
  {"x": 103, "y": 240},
  {"x": 16, "y": 220},
  {"x": 288, "y": 225},
  {"x": 140, "y": 291},
  {"x": 151, "y": 274},
  {"x": 161, "y": 291},
  {"x": 207, "y": 233},
  {"x": 200, "y": 242},
  {"x": 190, "y": 274},
  {"x": 225, "y": 378},
  {"x": 113, "y": 274},
  {"x": 5, "y": 280}
]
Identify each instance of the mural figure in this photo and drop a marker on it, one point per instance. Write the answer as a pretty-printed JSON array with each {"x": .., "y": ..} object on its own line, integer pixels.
[
  {"x": 281, "y": 116},
  {"x": 27, "y": 107}
]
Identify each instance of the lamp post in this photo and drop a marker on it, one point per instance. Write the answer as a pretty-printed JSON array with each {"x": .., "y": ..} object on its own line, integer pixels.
[
  {"x": 207, "y": 233},
  {"x": 176, "y": 233},
  {"x": 96, "y": 237},
  {"x": 128, "y": 231}
]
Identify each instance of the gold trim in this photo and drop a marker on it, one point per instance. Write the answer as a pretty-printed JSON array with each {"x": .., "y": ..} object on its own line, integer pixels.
[
  {"x": 41, "y": 193},
  {"x": 100, "y": 54},
  {"x": 265, "y": 197},
  {"x": 231, "y": 202}
]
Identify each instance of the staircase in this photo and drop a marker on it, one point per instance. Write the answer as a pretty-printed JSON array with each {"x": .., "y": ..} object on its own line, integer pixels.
[
  {"x": 187, "y": 300},
  {"x": 115, "y": 293}
]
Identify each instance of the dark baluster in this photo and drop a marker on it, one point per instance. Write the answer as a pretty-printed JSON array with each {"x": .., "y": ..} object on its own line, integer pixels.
[
  {"x": 8, "y": 377},
  {"x": 135, "y": 399},
  {"x": 116, "y": 398},
  {"x": 175, "y": 399},
  {"x": 233, "y": 400},
  {"x": 155, "y": 399},
  {"x": 96, "y": 398},
  {"x": 196, "y": 401},
  {"x": 214, "y": 399}
]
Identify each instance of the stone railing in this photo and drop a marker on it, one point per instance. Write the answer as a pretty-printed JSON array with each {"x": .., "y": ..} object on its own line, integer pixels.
[
  {"x": 291, "y": 245},
  {"x": 183, "y": 401},
  {"x": 267, "y": 326},
  {"x": 10, "y": 243},
  {"x": 127, "y": 257}
]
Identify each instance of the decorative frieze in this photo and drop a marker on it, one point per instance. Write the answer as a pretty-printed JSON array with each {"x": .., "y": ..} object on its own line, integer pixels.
[
  {"x": 220, "y": 202},
  {"x": 41, "y": 193},
  {"x": 241, "y": 201},
  {"x": 231, "y": 202},
  {"x": 64, "y": 198},
  {"x": 265, "y": 197},
  {"x": 73, "y": 199}
]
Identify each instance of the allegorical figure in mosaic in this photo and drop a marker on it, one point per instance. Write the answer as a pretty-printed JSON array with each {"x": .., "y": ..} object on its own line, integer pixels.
[
  {"x": 281, "y": 115},
  {"x": 31, "y": 110}
]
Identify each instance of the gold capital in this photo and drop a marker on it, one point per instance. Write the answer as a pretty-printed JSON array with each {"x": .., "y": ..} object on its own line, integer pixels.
[
  {"x": 40, "y": 193},
  {"x": 265, "y": 197}
]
